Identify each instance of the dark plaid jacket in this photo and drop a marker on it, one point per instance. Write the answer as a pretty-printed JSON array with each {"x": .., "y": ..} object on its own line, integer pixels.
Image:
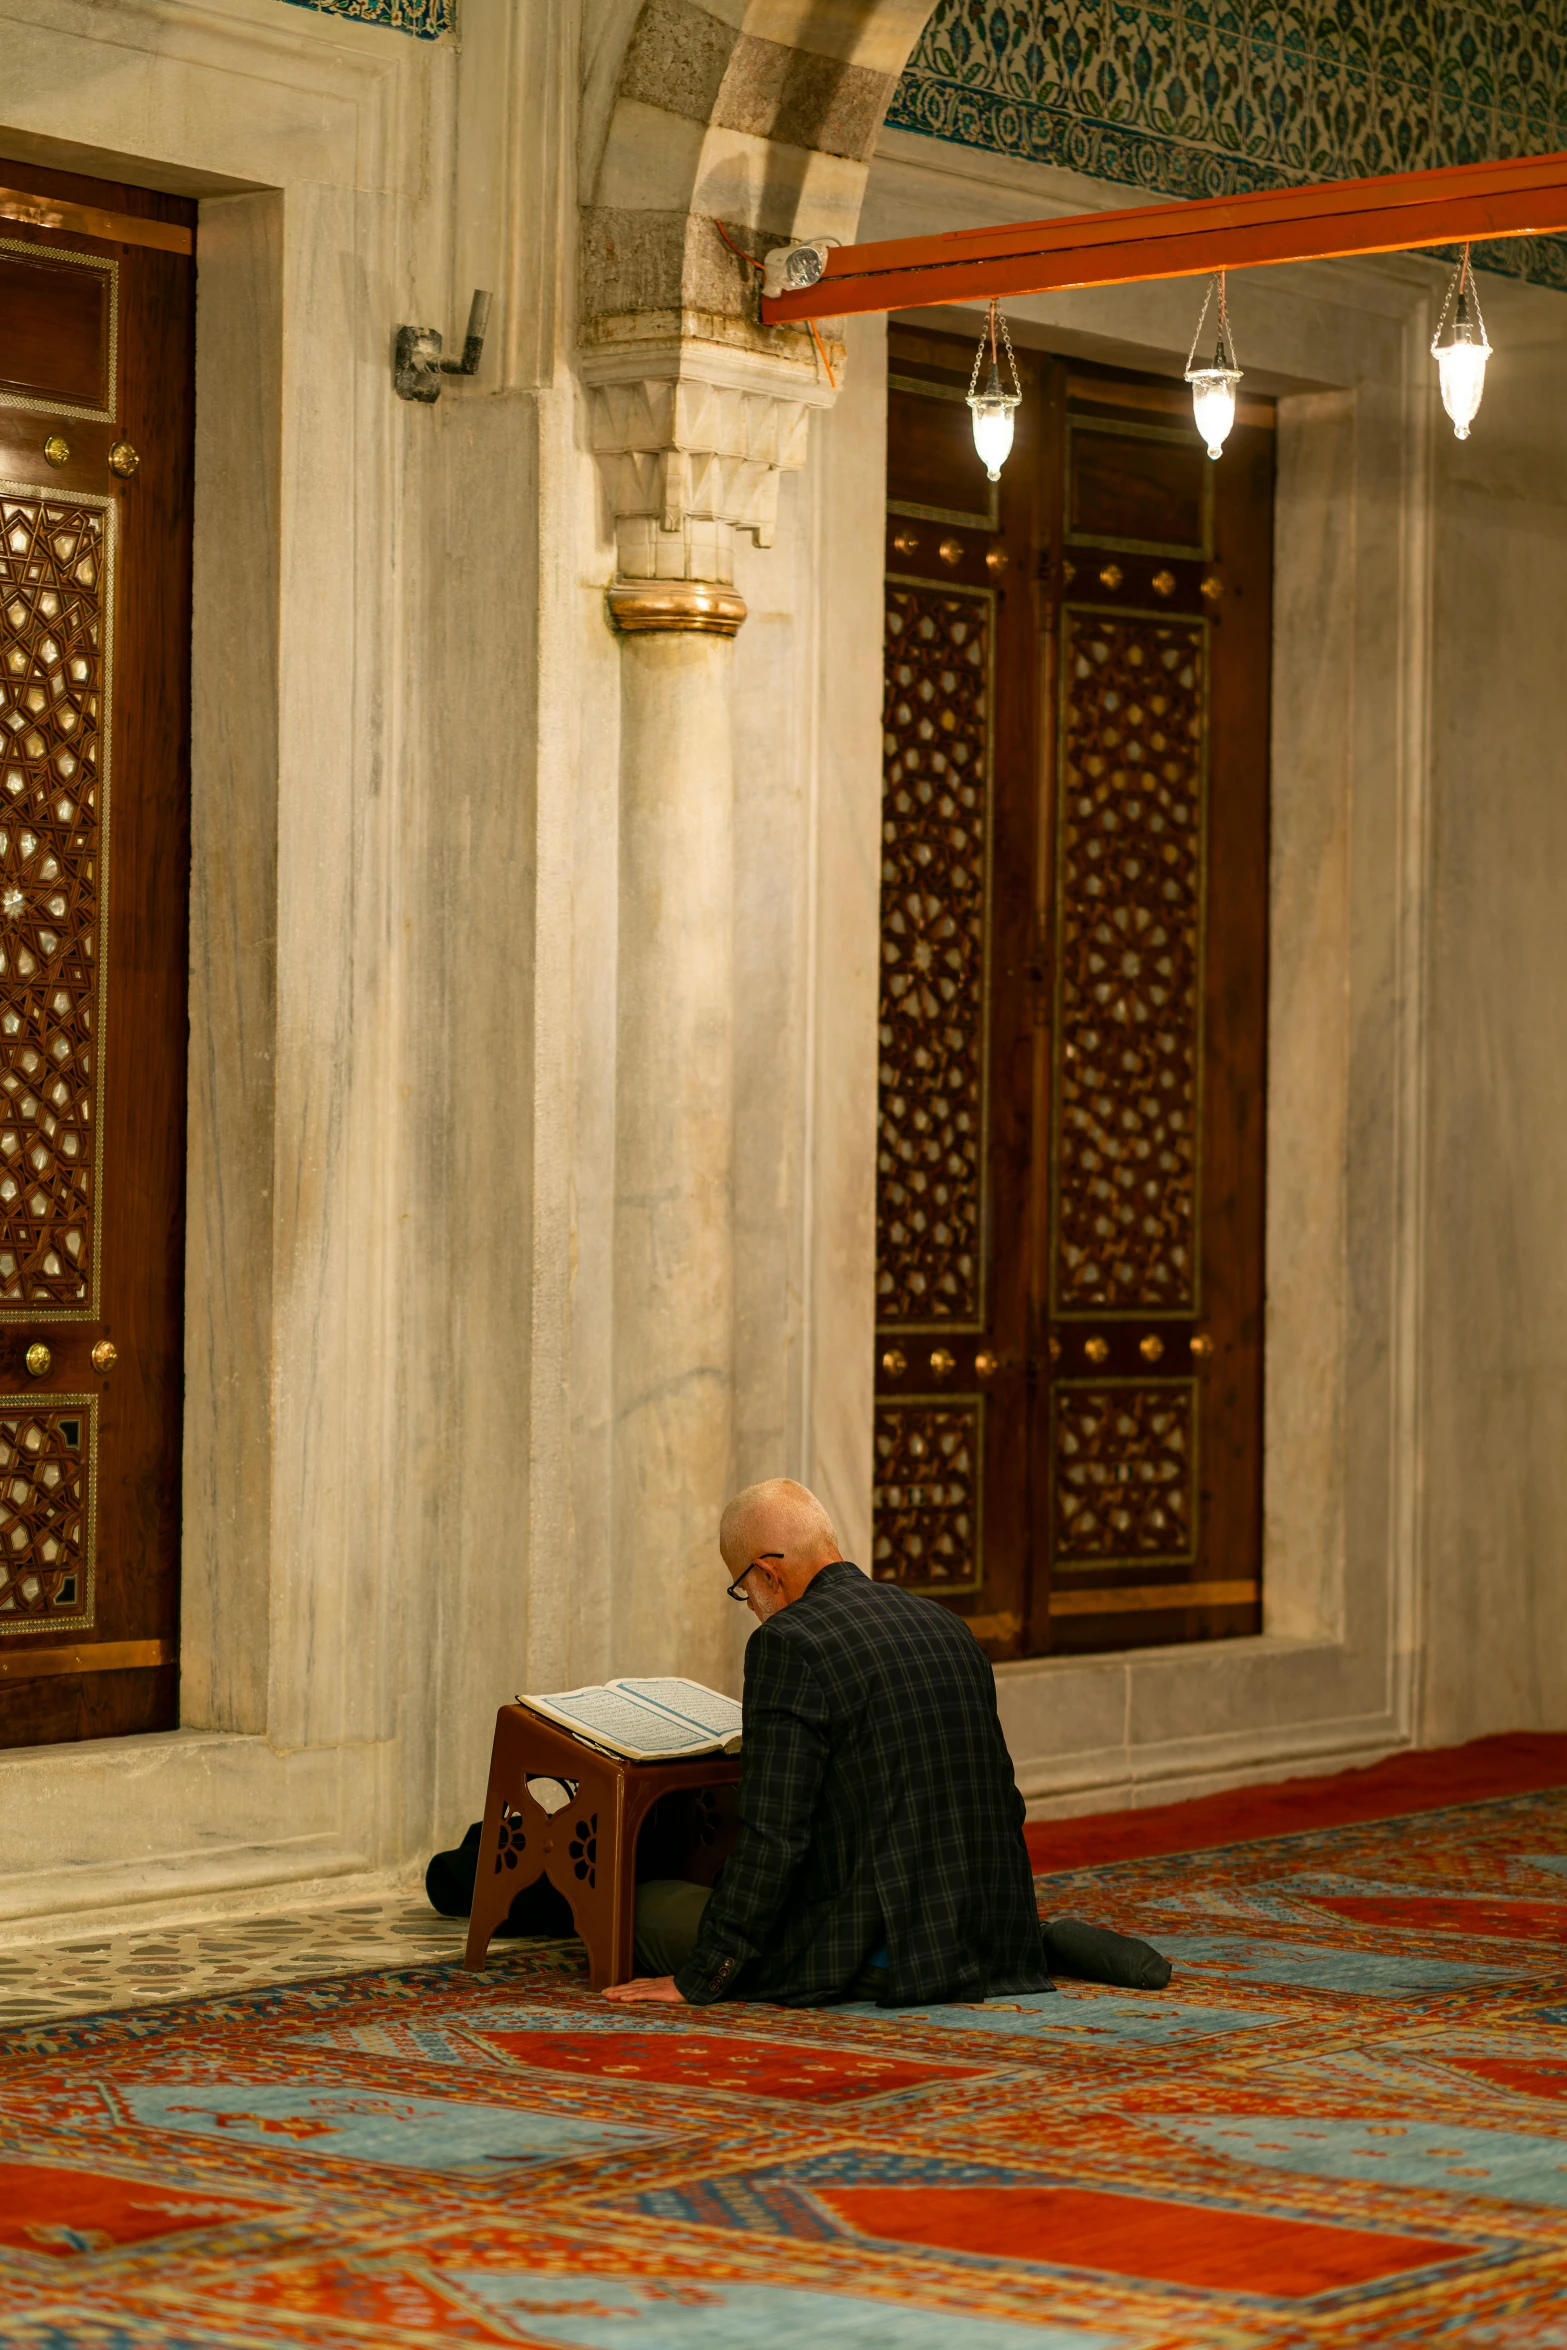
[{"x": 876, "y": 1801}]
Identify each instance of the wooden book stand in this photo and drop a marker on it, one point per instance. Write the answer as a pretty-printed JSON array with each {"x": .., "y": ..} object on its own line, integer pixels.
[{"x": 588, "y": 1850}]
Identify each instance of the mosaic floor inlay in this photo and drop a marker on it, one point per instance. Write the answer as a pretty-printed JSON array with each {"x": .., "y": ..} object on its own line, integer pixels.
[{"x": 40, "y": 1982}]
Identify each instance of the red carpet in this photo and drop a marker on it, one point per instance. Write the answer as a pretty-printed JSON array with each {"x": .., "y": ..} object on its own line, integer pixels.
[
  {"x": 1339, "y": 2128},
  {"x": 1520, "y": 1763}
]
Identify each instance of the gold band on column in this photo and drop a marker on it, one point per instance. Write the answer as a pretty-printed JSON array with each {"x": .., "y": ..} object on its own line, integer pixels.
[{"x": 675, "y": 604}]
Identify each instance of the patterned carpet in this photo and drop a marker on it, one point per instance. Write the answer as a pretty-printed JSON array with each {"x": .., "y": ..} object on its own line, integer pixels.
[{"x": 1342, "y": 2123}]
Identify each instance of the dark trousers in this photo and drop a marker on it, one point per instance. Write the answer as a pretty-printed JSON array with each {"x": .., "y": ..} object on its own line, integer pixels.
[{"x": 669, "y": 1915}]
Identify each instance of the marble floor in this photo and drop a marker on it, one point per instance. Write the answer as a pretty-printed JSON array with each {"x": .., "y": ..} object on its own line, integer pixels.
[{"x": 138, "y": 1966}]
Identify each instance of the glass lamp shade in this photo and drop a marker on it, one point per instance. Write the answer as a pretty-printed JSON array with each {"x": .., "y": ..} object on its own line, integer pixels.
[
  {"x": 1213, "y": 403},
  {"x": 1460, "y": 367},
  {"x": 992, "y": 411}
]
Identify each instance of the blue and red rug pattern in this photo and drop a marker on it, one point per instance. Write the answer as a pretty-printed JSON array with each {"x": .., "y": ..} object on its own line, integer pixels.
[{"x": 1344, "y": 2122}]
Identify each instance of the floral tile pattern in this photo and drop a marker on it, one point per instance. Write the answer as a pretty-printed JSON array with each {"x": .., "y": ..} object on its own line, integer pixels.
[
  {"x": 1213, "y": 97},
  {"x": 427, "y": 20}
]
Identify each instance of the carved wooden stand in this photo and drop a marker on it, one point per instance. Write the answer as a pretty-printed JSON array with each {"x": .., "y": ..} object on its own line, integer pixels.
[{"x": 588, "y": 1850}]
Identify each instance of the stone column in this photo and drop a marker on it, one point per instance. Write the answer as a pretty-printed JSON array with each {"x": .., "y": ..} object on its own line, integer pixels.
[{"x": 691, "y": 447}]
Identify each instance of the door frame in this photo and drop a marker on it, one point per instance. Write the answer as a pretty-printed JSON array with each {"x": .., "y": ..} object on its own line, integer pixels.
[{"x": 1333, "y": 1673}]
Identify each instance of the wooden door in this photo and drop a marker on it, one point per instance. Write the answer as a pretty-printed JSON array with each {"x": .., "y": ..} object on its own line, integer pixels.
[
  {"x": 954, "y": 1116},
  {"x": 96, "y": 347},
  {"x": 1068, "y": 1438}
]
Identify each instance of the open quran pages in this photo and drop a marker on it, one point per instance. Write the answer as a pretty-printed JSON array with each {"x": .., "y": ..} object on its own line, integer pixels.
[{"x": 658, "y": 1720}]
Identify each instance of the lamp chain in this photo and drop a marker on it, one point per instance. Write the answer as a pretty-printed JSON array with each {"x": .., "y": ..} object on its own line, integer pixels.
[
  {"x": 1457, "y": 287},
  {"x": 1225, "y": 356},
  {"x": 998, "y": 317}
]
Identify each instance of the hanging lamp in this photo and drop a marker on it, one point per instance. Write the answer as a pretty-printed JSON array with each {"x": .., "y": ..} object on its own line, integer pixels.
[
  {"x": 994, "y": 409},
  {"x": 1213, "y": 387},
  {"x": 1460, "y": 361}
]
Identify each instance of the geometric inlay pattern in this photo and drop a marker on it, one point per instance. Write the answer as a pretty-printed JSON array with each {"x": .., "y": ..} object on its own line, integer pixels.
[
  {"x": 935, "y": 849},
  {"x": 1186, "y": 99},
  {"x": 46, "y": 1507},
  {"x": 427, "y": 20},
  {"x": 926, "y": 1495},
  {"x": 1125, "y": 1461},
  {"x": 52, "y": 637},
  {"x": 1128, "y": 1039}
]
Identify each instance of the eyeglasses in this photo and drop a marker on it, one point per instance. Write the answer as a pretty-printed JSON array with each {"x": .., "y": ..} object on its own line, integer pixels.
[{"x": 737, "y": 1588}]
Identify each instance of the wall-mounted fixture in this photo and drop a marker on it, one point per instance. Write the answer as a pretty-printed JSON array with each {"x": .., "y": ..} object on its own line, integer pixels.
[
  {"x": 417, "y": 365},
  {"x": 788, "y": 269}
]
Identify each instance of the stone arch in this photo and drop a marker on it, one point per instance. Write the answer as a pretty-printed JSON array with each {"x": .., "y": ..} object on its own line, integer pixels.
[{"x": 760, "y": 115}]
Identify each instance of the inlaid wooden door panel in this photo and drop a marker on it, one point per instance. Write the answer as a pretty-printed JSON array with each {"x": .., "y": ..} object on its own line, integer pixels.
[
  {"x": 1069, "y": 1338},
  {"x": 95, "y": 472},
  {"x": 960, "y": 728},
  {"x": 1147, "y": 1437}
]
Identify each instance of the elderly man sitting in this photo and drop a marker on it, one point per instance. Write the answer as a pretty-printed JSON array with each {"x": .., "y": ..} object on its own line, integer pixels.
[{"x": 880, "y": 1852}]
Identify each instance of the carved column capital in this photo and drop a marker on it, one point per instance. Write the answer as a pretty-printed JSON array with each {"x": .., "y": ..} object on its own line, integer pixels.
[{"x": 692, "y": 442}]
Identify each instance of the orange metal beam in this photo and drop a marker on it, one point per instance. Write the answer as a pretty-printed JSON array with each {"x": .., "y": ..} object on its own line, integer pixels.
[{"x": 1395, "y": 214}]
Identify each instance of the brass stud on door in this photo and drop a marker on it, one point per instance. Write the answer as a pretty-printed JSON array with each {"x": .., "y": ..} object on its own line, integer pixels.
[
  {"x": 996, "y": 561},
  {"x": 1212, "y": 588},
  {"x": 1202, "y": 1346},
  {"x": 57, "y": 449},
  {"x": 905, "y": 542},
  {"x": 39, "y": 1361},
  {"x": 987, "y": 1364},
  {"x": 1151, "y": 1347},
  {"x": 105, "y": 1355},
  {"x": 1097, "y": 1349},
  {"x": 951, "y": 551},
  {"x": 124, "y": 460},
  {"x": 1111, "y": 576},
  {"x": 1163, "y": 583},
  {"x": 941, "y": 1361},
  {"x": 894, "y": 1362}
]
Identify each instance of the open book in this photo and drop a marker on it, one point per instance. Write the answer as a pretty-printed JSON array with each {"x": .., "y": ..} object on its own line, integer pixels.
[{"x": 648, "y": 1721}]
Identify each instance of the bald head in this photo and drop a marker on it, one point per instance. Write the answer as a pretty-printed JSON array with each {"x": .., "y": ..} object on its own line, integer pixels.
[{"x": 779, "y": 1531}]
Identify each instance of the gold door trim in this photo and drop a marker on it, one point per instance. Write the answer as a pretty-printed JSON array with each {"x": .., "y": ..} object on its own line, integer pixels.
[
  {"x": 1152, "y": 1598},
  {"x": 98, "y": 1656},
  {"x": 90, "y": 220}
]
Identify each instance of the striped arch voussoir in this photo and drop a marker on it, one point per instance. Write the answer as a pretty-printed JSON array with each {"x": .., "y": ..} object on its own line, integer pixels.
[{"x": 758, "y": 115}]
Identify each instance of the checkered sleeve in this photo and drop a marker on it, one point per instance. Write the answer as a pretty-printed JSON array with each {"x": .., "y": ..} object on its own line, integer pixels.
[{"x": 784, "y": 1753}]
